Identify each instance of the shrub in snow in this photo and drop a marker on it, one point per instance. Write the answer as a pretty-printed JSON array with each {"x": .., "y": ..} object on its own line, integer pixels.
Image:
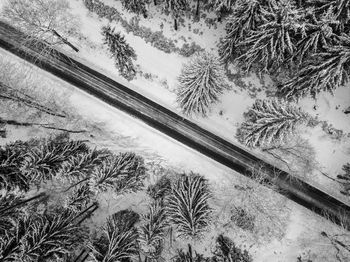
[
  {"x": 136, "y": 6},
  {"x": 188, "y": 256},
  {"x": 121, "y": 51},
  {"x": 176, "y": 8},
  {"x": 345, "y": 180},
  {"x": 243, "y": 219},
  {"x": 268, "y": 122},
  {"x": 188, "y": 207},
  {"x": 226, "y": 250},
  {"x": 201, "y": 82}
]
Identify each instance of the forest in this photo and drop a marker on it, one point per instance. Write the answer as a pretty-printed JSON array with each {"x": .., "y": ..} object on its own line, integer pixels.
[{"x": 57, "y": 168}]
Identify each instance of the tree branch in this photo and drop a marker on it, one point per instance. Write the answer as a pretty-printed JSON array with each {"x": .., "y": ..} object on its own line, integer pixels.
[
  {"x": 47, "y": 126},
  {"x": 28, "y": 100},
  {"x": 65, "y": 40}
]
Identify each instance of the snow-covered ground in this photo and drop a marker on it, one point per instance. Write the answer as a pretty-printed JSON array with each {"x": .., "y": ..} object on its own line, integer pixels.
[
  {"x": 118, "y": 131},
  {"x": 111, "y": 128}
]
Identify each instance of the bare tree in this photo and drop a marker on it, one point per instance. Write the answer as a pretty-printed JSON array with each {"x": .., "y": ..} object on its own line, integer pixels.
[
  {"x": 296, "y": 155},
  {"x": 28, "y": 101},
  {"x": 48, "y": 21}
]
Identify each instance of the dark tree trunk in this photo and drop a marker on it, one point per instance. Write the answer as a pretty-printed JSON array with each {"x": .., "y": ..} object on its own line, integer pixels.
[
  {"x": 77, "y": 183},
  {"x": 29, "y": 101},
  {"x": 175, "y": 24},
  {"x": 83, "y": 255},
  {"x": 20, "y": 203},
  {"x": 197, "y": 8},
  {"x": 47, "y": 126},
  {"x": 65, "y": 40},
  {"x": 155, "y": 2},
  {"x": 85, "y": 213}
]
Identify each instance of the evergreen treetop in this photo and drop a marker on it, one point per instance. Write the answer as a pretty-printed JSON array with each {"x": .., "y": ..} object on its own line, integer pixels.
[
  {"x": 270, "y": 122},
  {"x": 121, "y": 51}
]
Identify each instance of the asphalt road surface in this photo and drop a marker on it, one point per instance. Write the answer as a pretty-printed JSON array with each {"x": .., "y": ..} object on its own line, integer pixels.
[{"x": 173, "y": 125}]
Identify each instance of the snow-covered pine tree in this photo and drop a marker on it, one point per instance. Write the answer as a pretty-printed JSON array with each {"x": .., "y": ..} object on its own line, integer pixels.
[
  {"x": 176, "y": 9},
  {"x": 160, "y": 189},
  {"x": 201, "y": 82},
  {"x": 317, "y": 34},
  {"x": 124, "y": 172},
  {"x": 43, "y": 161},
  {"x": 340, "y": 9},
  {"x": 50, "y": 236},
  {"x": 116, "y": 243},
  {"x": 11, "y": 158},
  {"x": 79, "y": 198},
  {"x": 188, "y": 206},
  {"x": 245, "y": 17},
  {"x": 121, "y": 51},
  {"x": 270, "y": 122},
  {"x": 344, "y": 179},
  {"x": 153, "y": 230},
  {"x": 10, "y": 242},
  {"x": 136, "y": 6},
  {"x": 325, "y": 71},
  {"x": 269, "y": 46},
  {"x": 80, "y": 166},
  {"x": 11, "y": 208}
]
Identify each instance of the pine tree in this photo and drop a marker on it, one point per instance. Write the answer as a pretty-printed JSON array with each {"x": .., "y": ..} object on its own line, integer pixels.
[
  {"x": 8, "y": 211},
  {"x": 188, "y": 207},
  {"x": 246, "y": 17},
  {"x": 51, "y": 235},
  {"x": 136, "y": 6},
  {"x": 270, "y": 122},
  {"x": 325, "y": 71},
  {"x": 12, "y": 207},
  {"x": 10, "y": 243},
  {"x": 122, "y": 173},
  {"x": 161, "y": 189},
  {"x": 226, "y": 251},
  {"x": 153, "y": 231},
  {"x": 345, "y": 180},
  {"x": 41, "y": 237},
  {"x": 117, "y": 243},
  {"x": 121, "y": 51},
  {"x": 11, "y": 176},
  {"x": 81, "y": 165},
  {"x": 200, "y": 84},
  {"x": 43, "y": 161},
  {"x": 340, "y": 9},
  {"x": 317, "y": 34},
  {"x": 79, "y": 198},
  {"x": 176, "y": 8},
  {"x": 269, "y": 46}
]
